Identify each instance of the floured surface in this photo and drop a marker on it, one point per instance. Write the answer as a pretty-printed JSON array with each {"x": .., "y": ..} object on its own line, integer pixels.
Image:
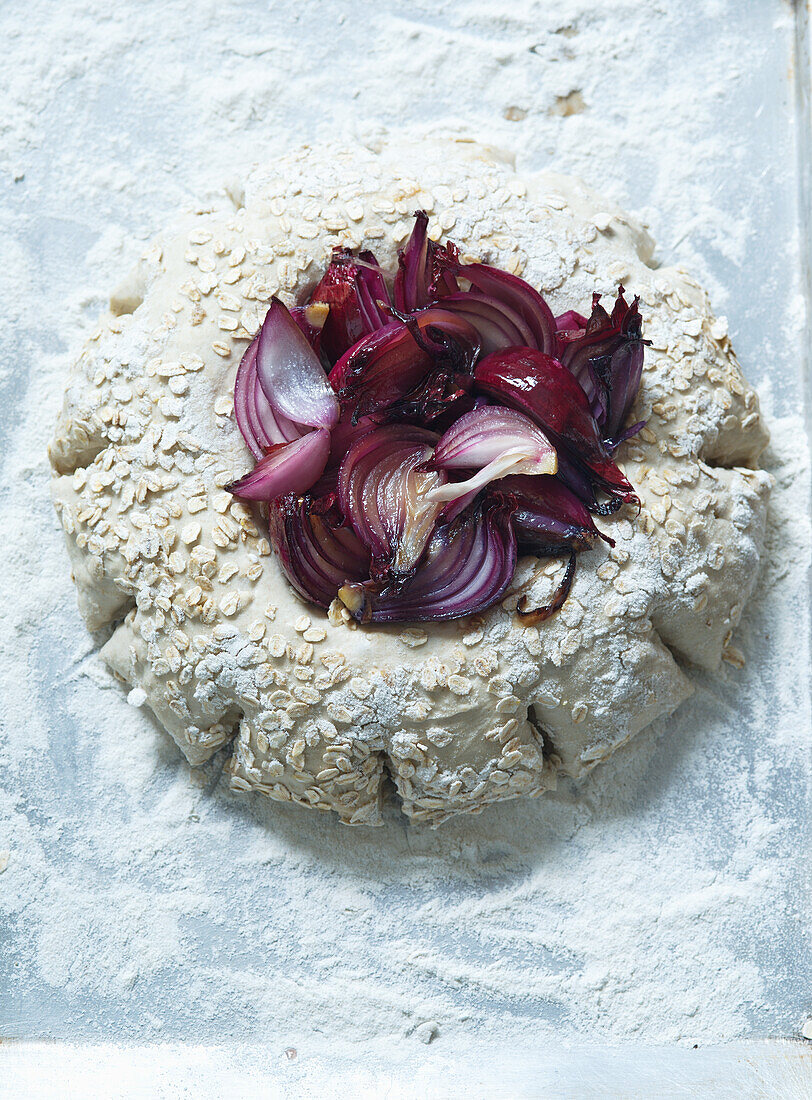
[{"x": 659, "y": 901}]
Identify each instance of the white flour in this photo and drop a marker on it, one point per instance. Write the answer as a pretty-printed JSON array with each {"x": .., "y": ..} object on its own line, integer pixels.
[{"x": 662, "y": 900}]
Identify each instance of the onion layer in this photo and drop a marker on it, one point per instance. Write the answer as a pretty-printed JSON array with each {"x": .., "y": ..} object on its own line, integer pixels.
[
  {"x": 547, "y": 516},
  {"x": 260, "y": 425},
  {"x": 423, "y": 269},
  {"x": 286, "y": 468},
  {"x": 355, "y": 293},
  {"x": 383, "y": 493},
  {"x": 467, "y": 567},
  {"x": 290, "y": 374},
  {"x": 409, "y": 361},
  {"x": 606, "y": 357},
  {"x": 514, "y": 297},
  {"x": 317, "y": 552}
]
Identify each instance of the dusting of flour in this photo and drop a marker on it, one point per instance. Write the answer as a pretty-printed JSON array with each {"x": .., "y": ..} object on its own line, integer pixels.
[{"x": 662, "y": 899}]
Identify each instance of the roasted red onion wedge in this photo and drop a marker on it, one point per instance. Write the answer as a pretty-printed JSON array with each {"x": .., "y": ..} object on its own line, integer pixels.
[
  {"x": 270, "y": 424},
  {"x": 467, "y": 567},
  {"x": 424, "y": 273},
  {"x": 569, "y": 324},
  {"x": 380, "y": 370},
  {"x": 495, "y": 442},
  {"x": 286, "y": 468},
  {"x": 260, "y": 425},
  {"x": 545, "y": 390},
  {"x": 383, "y": 490},
  {"x": 290, "y": 373},
  {"x": 373, "y": 294},
  {"x": 547, "y": 517},
  {"x": 318, "y": 554},
  {"x": 384, "y": 368},
  {"x": 345, "y": 433},
  {"x": 497, "y": 324},
  {"x": 449, "y": 339},
  {"x": 355, "y": 292},
  {"x": 607, "y": 359},
  {"x": 243, "y": 398},
  {"x": 515, "y": 296}
]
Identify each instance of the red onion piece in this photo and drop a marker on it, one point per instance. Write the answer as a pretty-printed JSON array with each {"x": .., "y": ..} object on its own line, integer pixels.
[
  {"x": 260, "y": 426},
  {"x": 449, "y": 338},
  {"x": 380, "y": 369},
  {"x": 373, "y": 294},
  {"x": 270, "y": 424},
  {"x": 424, "y": 273},
  {"x": 495, "y": 442},
  {"x": 310, "y": 319},
  {"x": 244, "y": 398},
  {"x": 517, "y": 296},
  {"x": 286, "y": 468},
  {"x": 317, "y": 553},
  {"x": 352, "y": 289},
  {"x": 382, "y": 491},
  {"x": 547, "y": 516},
  {"x": 545, "y": 390},
  {"x": 570, "y": 321},
  {"x": 607, "y": 359},
  {"x": 345, "y": 433},
  {"x": 290, "y": 373},
  {"x": 466, "y": 568},
  {"x": 497, "y": 324},
  {"x": 386, "y": 367},
  {"x": 456, "y": 507}
]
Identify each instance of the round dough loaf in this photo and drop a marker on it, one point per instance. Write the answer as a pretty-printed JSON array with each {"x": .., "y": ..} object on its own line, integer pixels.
[{"x": 460, "y": 714}]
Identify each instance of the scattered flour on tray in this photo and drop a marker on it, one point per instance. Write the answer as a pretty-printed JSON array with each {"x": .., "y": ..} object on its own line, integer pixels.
[{"x": 662, "y": 899}]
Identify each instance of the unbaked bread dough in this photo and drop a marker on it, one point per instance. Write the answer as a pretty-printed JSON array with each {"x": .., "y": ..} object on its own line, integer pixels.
[{"x": 463, "y": 713}]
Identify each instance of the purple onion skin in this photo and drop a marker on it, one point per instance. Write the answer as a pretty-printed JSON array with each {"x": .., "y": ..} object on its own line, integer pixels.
[
  {"x": 243, "y": 394},
  {"x": 544, "y": 389},
  {"x": 570, "y": 322},
  {"x": 404, "y": 360},
  {"x": 286, "y": 360},
  {"x": 625, "y": 372},
  {"x": 287, "y": 468}
]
